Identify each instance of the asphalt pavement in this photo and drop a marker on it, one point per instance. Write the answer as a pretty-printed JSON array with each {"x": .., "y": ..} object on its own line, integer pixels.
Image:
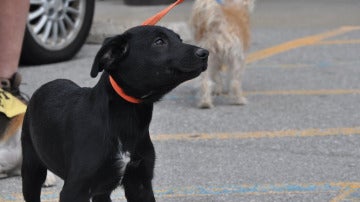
[{"x": 298, "y": 138}]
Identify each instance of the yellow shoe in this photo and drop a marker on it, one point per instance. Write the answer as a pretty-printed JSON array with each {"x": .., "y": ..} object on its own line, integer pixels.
[
  {"x": 12, "y": 103},
  {"x": 12, "y": 86}
]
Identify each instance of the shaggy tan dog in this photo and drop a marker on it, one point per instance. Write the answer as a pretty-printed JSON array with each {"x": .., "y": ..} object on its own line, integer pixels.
[
  {"x": 10, "y": 149},
  {"x": 222, "y": 27}
]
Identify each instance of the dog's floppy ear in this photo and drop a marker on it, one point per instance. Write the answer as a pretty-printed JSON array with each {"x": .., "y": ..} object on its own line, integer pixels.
[{"x": 114, "y": 48}]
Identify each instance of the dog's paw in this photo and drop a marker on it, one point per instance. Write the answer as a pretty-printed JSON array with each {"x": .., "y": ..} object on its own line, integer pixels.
[
  {"x": 239, "y": 101},
  {"x": 50, "y": 179},
  {"x": 16, "y": 172},
  {"x": 3, "y": 175},
  {"x": 205, "y": 105},
  {"x": 4, "y": 171},
  {"x": 205, "y": 100}
]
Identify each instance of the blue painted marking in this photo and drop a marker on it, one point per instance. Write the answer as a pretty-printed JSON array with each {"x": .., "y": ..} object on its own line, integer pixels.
[
  {"x": 49, "y": 196},
  {"x": 324, "y": 64},
  {"x": 355, "y": 195},
  {"x": 9, "y": 198},
  {"x": 194, "y": 191}
]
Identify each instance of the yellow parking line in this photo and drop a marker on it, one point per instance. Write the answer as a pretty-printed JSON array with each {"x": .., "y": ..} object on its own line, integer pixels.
[
  {"x": 342, "y": 196},
  {"x": 312, "y": 132},
  {"x": 292, "y": 92},
  {"x": 288, "y": 66},
  {"x": 306, "y": 92},
  {"x": 348, "y": 188},
  {"x": 306, "y": 41},
  {"x": 338, "y": 42}
]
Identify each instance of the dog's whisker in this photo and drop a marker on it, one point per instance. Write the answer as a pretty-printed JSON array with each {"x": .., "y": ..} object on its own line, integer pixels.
[{"x": 147, "y": 95}]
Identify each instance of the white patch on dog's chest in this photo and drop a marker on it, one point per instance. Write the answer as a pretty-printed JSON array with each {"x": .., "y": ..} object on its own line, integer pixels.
[{"x": 123, "y": 158}]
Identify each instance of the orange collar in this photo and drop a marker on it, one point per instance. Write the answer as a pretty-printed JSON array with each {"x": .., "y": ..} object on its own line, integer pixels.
[
  {"x": 150, "y": 21},
  {"x": 121, "y": 92}
]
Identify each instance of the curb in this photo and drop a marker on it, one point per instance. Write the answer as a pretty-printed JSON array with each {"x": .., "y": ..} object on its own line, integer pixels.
[
  {"x": 101, "y": 30},
  {"x": 113, "y": 17}
]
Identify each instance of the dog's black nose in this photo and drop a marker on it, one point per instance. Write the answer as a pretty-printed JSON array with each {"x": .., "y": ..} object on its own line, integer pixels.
[{"x": 202, "y": 53}]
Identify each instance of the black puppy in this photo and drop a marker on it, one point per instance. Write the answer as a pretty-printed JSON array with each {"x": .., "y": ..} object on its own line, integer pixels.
[{"x": 98, "y": 138}]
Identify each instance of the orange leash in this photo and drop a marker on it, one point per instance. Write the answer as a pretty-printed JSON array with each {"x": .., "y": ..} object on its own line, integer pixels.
[
  {"x": 156, "y": 18},
  {"x": 150, "y": 21}
]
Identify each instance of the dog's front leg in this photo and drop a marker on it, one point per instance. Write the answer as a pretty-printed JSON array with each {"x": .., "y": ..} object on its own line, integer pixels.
[
  {"x": 102, "y": 198},
  {"x": 74, "y": 191},
  {"x": 137, "y": 183},
  {"x": 138, "y": 189},
  {"x": 139, "y": 173},
  {"x": 207, "y": 83}
]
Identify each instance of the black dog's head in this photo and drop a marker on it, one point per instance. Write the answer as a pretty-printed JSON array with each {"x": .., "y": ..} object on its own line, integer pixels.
[{"x": 149, "y": 61}]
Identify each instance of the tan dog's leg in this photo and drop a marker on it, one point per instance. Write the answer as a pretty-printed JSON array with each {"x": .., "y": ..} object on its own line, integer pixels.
[
  {"x": 236, "y": 71},
  {"x": 10, "y": 156},
  {"x": 207, "y": 84},
  {"x": 11, "y": 160},
  {"x": 218, "y": 82}
]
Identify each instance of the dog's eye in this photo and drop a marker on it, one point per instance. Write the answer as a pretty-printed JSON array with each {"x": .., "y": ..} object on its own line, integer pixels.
[{"x": 159, "y": 42}]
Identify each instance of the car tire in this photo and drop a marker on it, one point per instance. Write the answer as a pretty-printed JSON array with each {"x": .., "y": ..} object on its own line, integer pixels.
[{"x": 35, "y": 51}]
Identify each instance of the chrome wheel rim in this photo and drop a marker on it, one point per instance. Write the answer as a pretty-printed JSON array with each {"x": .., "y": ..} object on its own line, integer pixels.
[{"x": 54, "y": 24}]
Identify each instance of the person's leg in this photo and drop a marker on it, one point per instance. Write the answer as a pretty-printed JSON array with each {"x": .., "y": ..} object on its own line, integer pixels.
[{"x": 13, "y": 17}]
